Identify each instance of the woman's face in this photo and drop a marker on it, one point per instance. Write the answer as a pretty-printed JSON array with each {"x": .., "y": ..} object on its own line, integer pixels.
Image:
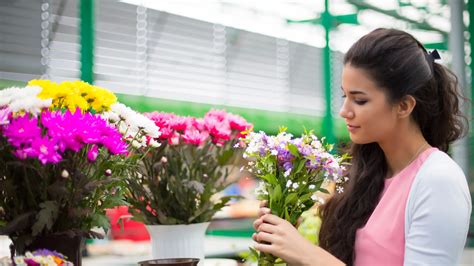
[{"x": 368, "y": 115}]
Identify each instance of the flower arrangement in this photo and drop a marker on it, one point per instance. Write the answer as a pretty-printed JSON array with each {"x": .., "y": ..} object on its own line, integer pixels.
[
  {"x": 291, "y": 170},
  {"x": 62, "y": 164},
  {"x": 42, "y": 257},
  {"x": 177, "y": 182}
]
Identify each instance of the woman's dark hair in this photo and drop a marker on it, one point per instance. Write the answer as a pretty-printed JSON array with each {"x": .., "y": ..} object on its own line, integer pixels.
[{"x": 399, "y": 65}]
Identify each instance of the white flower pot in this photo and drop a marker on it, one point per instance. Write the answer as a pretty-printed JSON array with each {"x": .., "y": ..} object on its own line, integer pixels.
[{"x": 178, "y": 241}]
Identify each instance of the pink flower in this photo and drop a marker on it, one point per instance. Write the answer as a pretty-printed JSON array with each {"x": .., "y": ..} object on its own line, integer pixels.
[
  {"x": 93, "y": 153},
  {"x": 237, "y": 122},
  {"x": 166, "y": 132},
  {"x": 174, "y": 140},
  {"x": 193, "y": 136},
  {"x": 45, "y": 150},
  {"x": 22, "y": 130},
  {"x": 179, "y": 123},
  {"x": 5, "y": 114}
]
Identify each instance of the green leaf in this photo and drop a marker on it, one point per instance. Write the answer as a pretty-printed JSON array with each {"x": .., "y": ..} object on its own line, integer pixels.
[
  {"x": 293, "y": 150},
  {"x": 100, "y": 220},
  {"x": 300, "y": 165},
  {"x": 324, "y": 190},
  {"x": 276, "y": 196},
  {"x": 291, "y": 198},
  {"x": 18, "y": 224},
  {"x": 254, "y": 252},
  {"x": 45, "y": 217},
  {"x": 270, "y": 178},
  {"x": 224, "y": 158}
]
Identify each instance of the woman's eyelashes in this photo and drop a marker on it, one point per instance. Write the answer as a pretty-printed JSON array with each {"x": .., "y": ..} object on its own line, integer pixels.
[{"x": 357, "y": 101}]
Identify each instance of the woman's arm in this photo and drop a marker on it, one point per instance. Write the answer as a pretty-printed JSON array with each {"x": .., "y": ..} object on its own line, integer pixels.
[
  {"x": 278, "y": 237},
  {"x": 437, "y": 218}
]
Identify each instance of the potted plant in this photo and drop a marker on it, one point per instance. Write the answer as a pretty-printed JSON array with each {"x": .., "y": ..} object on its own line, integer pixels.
[
  {"x": 175, "y": 190},
  {"x": 61, "y": 165}
]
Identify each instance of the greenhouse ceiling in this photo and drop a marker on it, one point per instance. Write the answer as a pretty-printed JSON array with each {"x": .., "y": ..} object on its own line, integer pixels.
[{"x": 278, "y": 18}]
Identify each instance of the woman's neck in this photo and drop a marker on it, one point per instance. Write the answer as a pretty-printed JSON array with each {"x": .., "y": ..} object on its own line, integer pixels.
[{"x": 402, "y": 149}]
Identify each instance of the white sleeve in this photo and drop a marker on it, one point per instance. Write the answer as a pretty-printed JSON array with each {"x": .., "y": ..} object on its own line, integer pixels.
[{"x": 437, "y": 216}]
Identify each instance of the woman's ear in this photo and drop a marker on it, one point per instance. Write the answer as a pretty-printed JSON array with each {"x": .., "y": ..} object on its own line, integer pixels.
[{"x": 406, "y": 106}]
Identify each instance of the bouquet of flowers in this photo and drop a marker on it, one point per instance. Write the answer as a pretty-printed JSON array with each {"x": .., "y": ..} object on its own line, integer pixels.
[
  {"x": 42, "y": 257},
  {"x": 177, "y": 181},
  {"x": 291, "y": 170},
  {"x": 61, "y": 163}
]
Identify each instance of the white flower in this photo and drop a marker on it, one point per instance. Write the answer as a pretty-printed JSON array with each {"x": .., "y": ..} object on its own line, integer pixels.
[
  {"x": 312, "y": 186},
  {"x": 134, "y": 122},
  {"x": 261, "y": 189},
  {"x": 287, "y": 173},
  {"x": 314, "y": 197},
  {"x": 237, "y": 145},
  {"x": 339, "y": 189},
  {"x": 274, "y": 152},
  {"x": 153, "y": 143},
  {"x": 30, "y": 105},
  {"x": 295, "y": 185},
  {"x": 288, "y": 183}
]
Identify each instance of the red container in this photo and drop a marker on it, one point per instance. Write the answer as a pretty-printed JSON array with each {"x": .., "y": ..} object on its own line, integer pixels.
[{"x": 132, "y": 230}]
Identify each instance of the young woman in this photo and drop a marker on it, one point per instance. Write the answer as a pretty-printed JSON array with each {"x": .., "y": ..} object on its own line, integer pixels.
[{"x": 407, "y": 202}]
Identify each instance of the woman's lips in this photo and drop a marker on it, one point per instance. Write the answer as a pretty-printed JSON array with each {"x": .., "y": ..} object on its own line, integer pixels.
[{"x": 352, "y": 128}]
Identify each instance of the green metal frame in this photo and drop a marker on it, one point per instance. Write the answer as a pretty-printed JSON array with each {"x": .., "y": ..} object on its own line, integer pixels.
[
  {"x": 86, "y": 9},
  {"x": 470, "y": 8}
]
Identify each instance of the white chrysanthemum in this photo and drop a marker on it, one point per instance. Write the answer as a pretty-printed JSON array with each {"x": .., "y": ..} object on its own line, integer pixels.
[
  {"x": 134, "y": 121},
  {"x": 24, "y": 99},
  {"x": 31, "y": 105}
]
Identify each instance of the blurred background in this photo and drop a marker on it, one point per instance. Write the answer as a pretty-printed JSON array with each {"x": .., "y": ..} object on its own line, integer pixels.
[{"x": 275, "y": 62}]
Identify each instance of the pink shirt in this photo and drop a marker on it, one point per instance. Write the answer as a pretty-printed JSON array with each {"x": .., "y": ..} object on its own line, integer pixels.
[{"x": 382, "y": 240}]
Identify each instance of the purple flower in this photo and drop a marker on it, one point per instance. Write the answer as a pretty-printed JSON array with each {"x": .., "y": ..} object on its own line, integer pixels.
[
  {"x": 46, "y": 252},
  {"x": 287, "y": 165}
]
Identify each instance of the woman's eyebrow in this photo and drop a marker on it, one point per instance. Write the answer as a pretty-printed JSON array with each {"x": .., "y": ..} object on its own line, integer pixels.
[{"x": 353, "y": 92}]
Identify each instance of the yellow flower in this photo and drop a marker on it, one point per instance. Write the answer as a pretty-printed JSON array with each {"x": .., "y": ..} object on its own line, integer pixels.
[
  {"x": 73, "y": 94},
  {"x": 50, "y": 89}
]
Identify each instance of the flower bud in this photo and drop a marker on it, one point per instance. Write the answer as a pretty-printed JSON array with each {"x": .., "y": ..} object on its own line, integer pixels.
[
  {"x": 108, "y": 172},
  {"x": 65, "y": 173}
]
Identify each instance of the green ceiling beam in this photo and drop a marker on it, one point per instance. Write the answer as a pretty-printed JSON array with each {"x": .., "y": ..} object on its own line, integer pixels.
[{"x": 423, "y": 25}]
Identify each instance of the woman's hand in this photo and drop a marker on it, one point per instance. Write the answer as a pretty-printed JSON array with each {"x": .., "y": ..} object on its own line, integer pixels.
[{"x": 278, "y": 237}]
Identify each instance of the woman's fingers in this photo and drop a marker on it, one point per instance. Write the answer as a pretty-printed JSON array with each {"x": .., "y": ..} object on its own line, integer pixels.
[
  {"x": 254, "y": 237},
  {"x": 257, "y": 223},
  {"x": 271, "y": 219},
  {"x": 265, "y": 237},
  {"x": 267, "y": 228},
  {"x": 267, "y": 248},
  {"x": 262, "y": 211}
]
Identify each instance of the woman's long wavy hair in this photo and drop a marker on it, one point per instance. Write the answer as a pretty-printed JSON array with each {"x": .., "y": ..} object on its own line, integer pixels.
[{"x": 399, "y": 65}]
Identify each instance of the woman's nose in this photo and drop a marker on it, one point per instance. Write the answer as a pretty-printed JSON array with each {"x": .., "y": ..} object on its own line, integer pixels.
[{"x": 344, "y": 112}]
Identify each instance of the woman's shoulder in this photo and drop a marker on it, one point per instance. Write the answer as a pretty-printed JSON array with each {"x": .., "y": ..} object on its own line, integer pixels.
[
  {"x": 440, "y": 175},
  {"x": 440, "y": 168}
]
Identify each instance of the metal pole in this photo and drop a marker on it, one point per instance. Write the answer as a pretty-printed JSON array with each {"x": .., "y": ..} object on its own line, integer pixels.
[
  {"x": 86, "y": 9},
  {"x": 470, "y": 8},
  {"x": 327, "y": 120},
  {"x": 456, "y": 46}
]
